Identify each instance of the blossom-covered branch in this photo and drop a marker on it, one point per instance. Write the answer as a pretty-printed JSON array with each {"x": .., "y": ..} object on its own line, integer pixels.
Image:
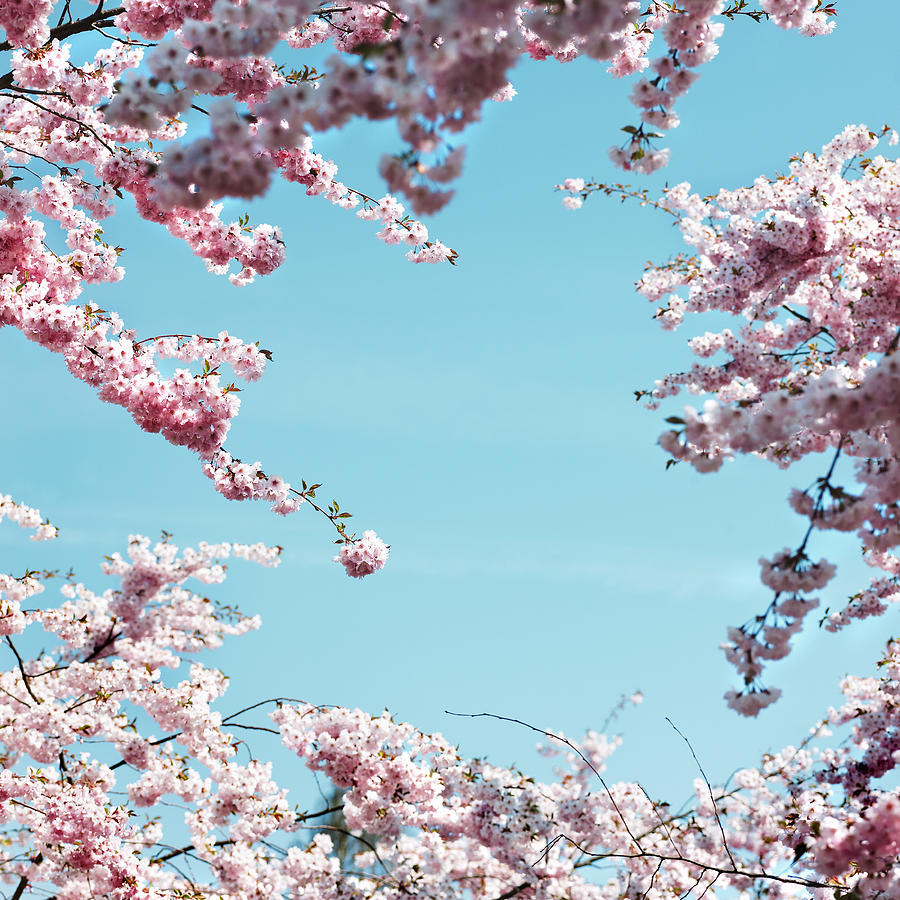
[
  {"x": 84, "y": 772},
  {"x": 809, "y": 261}
]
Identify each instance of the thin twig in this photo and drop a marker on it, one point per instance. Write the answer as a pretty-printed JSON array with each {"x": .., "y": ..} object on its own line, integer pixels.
[
  {"x": 823, "y": 484},
  {"x": 703, "y": 892},
  {"x": 263, "y": 703},
  {"x": 711, "y": 795},
  {"x": 743, "y": 873},
  {"x": 255, "y": 728},
  {"x": 25, "y": 675},
  {"x": 14, "y": 697},
  {"x": 60, "y": 115},
  {"x": 562, "y": 740}
]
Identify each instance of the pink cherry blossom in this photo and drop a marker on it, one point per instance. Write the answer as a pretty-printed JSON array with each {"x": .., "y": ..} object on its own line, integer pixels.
[
  {"x": 364, "y": 556},
  {"x": 115, "y": 717}
]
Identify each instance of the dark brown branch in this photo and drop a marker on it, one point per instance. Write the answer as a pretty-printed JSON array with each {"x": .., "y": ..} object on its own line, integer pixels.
[
  {"x": 25, "y": 675},
  {"x": 167, "y": 856},
  {"x": 128, "y": 42},
  {"x": 513, "y": 891},
  {"x": 892, "y": 347},
  {"x": 662, "y": 823},
  {"x": 20, "y": 888},
  {"x": 794, "y": 312},
  {"x": 23, "y": 881},
  {"x": 823, "y": 485},
  {"x": 14, "y": 697},
  {"x": 109, "y": 639},
  {"x": 65, "y": 13},
  {"x": 704, "y": 891},
  {"x": 370, "y": 846},
  {"x": 321, "y": 812},
  {"x": 708, "y": 867},
  {"x": 155, "y": 743},
  {"x": 97, "y": 698},
  {"x": 101, "y": 17}
]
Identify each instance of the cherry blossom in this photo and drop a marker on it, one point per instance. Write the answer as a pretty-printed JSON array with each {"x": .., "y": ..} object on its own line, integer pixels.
[
  {"x": 808, "y": 261},
  {"x": 176, "y": 106},
  {"x": 364, "y": 556},
  {"x": 27, "y": 517},
  {"x": 179, "y": 106},
  {"x": 117, "y": 717}
]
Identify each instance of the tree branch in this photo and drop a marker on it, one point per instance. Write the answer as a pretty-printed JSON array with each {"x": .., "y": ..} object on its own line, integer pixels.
[
  {"x": 167, "y": 856},
  {"x": 25, "y": 675},
  {"x": 711, "y": 796},
  {"x": 568, "y": 743},
  {"x": 101, "y": 16}
]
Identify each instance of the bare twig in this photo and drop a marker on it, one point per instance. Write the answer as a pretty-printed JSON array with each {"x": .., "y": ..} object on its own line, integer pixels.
[
  {"x": 25, "y": 675},
  {"x": 568, "y": 743},
  {"x": 711, "y": 795}
]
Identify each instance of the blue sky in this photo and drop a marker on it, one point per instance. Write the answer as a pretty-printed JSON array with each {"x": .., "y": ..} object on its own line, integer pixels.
[{"x": 481, "y": 419}]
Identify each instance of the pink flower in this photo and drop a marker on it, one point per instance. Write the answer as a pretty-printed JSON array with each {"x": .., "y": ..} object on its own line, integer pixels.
[{"x": 363, "y": 557}]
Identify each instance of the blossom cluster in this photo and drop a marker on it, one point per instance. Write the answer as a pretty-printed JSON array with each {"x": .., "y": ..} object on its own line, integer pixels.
[
  {"x": 767, "y": 637},
  {"x": 180, "y": 105},
  {"x": 431, "y": 67},
  {"x": 27, "y": 517},
  {"x": 808, "y": 261},
  {"x": 193, "y": 407},
  {"x": 363, "y": 557},
  {"x": 117, "y": 717},
  {"x": 78, "y": 136},
  {"x": 690, "y": 30}
]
